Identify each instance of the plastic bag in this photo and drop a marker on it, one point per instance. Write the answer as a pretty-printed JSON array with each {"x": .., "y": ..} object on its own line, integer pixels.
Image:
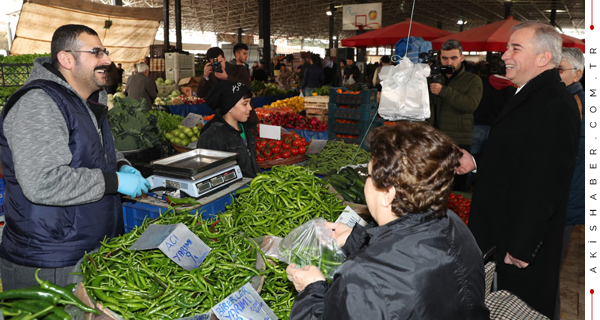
[
  {"x": 312, "y": 244},
  {"x": 404, "y": 94}
]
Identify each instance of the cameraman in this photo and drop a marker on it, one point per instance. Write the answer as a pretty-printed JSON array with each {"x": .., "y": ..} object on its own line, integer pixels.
[
  {"x": 217, "y": 68},
  {"x": 456, "y": 96}
]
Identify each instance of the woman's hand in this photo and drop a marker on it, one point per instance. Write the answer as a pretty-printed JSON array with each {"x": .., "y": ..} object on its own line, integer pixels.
[
  {"x": 340, "y": 231},
  {"x": 303, "y": 276}
]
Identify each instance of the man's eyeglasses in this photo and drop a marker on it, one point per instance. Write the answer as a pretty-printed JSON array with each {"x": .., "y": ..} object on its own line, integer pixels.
[
  {"x": 561, "y": 70},
  {"x": 99, "y": 53}
]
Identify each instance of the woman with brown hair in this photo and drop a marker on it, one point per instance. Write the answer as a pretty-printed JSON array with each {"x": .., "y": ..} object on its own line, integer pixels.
[{"x": 416, "y": 260}]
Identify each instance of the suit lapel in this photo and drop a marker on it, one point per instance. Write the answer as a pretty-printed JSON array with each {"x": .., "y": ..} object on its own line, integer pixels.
[{"x": 533, "y": 85}]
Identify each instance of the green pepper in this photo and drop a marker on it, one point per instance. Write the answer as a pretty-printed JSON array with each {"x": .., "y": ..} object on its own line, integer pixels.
[
  {"x": 180, "y": 201},
  {"x": 31, "y": 293}
]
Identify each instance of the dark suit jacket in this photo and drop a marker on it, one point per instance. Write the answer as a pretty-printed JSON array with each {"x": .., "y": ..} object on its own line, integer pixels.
[{"x": 523, "y": 180}]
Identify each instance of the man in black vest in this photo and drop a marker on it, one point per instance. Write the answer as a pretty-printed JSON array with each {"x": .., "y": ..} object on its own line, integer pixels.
[
  {"x": 523, "y": 177},
  {"x": 60, "y": 165}
]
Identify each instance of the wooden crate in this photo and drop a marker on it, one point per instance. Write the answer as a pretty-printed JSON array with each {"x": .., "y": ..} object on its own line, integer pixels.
[
  {"x": 316, "y": 102},
  {"x": 320, "y": 113}
]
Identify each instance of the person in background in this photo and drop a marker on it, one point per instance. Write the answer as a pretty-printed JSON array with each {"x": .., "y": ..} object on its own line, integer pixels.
[
  {"x": 417, "y": 260},
  {"x": 302, "y": 66},
  {"x": 62, "y": 171},
  {"x": 352, "y": 72},
  {"x": 229, "y": 130},
  {"x": 254, "y": 67},
  {"x": 240, "y": 52},
  {"x": 140, "y": 86},
  {"x": 328, "y": 73},
  {"x": 570, "y": 70},
  {"x": 228, "y": 71},
  {"x": 260, "y": 74},
  {"x": 530, "y": 151},
  {"x": 385, "y": 61},
  {"x": 313, "y": 76},
  {"x": 455, "y": 98},
  {"x": 284, "y": 78},
  {"x": 339, "y": 75},
  {"x": 120, "y": 74},
  {"x": 112, "y": 80}
]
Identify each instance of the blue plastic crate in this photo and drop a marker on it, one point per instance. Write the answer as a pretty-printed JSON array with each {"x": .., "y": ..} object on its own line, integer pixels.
[
  {"x": 366, "y": 96},
  {"x": 134, "y": 213},
  {"x": 361, "y": 112}
]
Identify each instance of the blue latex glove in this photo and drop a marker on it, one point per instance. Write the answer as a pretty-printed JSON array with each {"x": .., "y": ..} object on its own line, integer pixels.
[
  {"x": 130, "y": 184},
  {"x": 129, "y": 169}
]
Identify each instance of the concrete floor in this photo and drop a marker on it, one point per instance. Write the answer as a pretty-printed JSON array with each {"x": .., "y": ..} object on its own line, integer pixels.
[{"x": 572, "y": 278}]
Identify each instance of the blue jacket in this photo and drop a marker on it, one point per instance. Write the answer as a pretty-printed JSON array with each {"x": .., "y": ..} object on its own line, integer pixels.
[
  {"x": 48, "y": 236},
  {"x": 576, "y": 204}
]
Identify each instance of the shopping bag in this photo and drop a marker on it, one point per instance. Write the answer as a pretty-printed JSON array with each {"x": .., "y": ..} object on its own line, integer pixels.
[{"x": 404, "y": 94}]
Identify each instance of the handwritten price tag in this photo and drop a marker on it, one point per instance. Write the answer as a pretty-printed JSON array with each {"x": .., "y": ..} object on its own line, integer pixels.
[
  {"x": 191, "y": 120},
  {"x": 176, "y": 241},
  {"x": 244, "y": 304}
]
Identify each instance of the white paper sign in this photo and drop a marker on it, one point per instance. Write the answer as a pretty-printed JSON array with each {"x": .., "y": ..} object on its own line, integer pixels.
[
  {"x": 191, "y": 120},
  {"x": 316, "y": 146},
  {"x": 244, "y": 304},
  {"x": 176, "y": 241},
  {"x": 351, "y": 218},
  {"x": 270, "y": 132}
]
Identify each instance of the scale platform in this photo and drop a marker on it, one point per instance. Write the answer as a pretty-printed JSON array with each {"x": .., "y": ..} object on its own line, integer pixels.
[{"x": 196, "y": 173}]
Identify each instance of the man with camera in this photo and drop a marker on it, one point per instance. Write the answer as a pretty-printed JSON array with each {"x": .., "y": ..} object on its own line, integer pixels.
[
  {"x": 456, "y": 95},
  {"x": 217, "y": 68}
]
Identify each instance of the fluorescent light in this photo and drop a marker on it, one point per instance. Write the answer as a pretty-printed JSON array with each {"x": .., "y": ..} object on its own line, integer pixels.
[
  {"x": 461, "y": 22},
  {"x": 328, "y": 12}
]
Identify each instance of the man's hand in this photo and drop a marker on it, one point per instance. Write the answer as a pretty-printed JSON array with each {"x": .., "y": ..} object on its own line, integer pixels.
[
  {"x": 466, "y": 163},
  {"x": 435, "y": 88},
  {"x": 221, "y": 75},
  {"x": 207, "y": 70},
  {"x": 508, "y": 259},
  {"x": 303, "y": 276}
]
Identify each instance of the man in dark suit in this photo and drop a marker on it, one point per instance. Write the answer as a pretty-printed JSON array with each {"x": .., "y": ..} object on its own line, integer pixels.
[{"x": 519, "y": 202}]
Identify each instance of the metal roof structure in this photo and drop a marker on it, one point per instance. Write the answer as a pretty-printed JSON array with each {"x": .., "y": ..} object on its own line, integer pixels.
[{"x": 307, "y": 19}]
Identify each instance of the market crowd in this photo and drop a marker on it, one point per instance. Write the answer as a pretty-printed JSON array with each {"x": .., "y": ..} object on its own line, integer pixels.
[{"x": 514, "y": 139}]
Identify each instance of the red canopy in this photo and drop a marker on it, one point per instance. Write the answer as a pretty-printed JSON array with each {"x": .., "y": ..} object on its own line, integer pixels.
[
  {"x": 493, "y": 37},
  {"x": 391, "y": 34}
]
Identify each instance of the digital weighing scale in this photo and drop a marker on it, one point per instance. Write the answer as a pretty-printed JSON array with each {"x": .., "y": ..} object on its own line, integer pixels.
[{"x": 197, "y": 173}]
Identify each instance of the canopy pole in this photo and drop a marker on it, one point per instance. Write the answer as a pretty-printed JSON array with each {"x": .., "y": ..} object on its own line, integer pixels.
[{"x": 166, "y": 25}]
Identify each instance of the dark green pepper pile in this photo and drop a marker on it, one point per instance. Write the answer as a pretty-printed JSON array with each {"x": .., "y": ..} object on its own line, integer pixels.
[
  {"x": 336, "y": 154},
  {"x": 148, "y": 285},
  {"x": 45, "y": 301}
]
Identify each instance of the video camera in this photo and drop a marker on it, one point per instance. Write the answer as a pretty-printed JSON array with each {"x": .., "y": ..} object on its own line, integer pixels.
[
  {"x": 216, "y": 65},
  {"x": 437, "y": 69}
]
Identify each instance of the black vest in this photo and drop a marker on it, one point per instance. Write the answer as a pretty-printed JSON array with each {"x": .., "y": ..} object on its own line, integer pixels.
[{"x": 52, "y": 236}]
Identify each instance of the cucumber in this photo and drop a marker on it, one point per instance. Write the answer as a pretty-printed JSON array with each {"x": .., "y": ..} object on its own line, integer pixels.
[
  {"x": 346, "y": 195},
  {"x": 341, "y": 180},
  {"x": 357, "y": 191},
  {"x": 338, "y": 186}
]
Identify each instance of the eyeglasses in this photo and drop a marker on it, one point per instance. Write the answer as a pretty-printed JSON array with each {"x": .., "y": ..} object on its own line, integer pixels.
[
  {"x": 99, "y": 53},
  {"x": 561, "y": 70}
]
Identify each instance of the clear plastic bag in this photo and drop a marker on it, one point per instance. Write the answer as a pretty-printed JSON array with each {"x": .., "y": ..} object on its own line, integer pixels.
[
  {"x": 312, "y": 244},
  {"x": 404, "y": 94}
]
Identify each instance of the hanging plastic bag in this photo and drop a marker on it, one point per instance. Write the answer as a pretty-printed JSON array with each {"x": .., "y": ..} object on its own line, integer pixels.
[
  {"x": 404, "y": 94},
  {"x": 312, "y": 244}
]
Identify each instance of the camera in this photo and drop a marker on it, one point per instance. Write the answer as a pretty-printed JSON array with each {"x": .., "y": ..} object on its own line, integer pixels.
[
  {"x": 216, "y": 66},
  {"x": 437, "y": 69}
]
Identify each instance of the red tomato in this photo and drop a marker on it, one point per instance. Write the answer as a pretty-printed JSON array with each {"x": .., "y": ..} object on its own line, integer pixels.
[
  {"x": 301, "y": 150},
  {"x": 276, "y": 150},
  {"x": 286, "y": 154},
  {"x": 277, "y": 156},
  {"x": 267, "y": 153},
  {"x": 294, "y": 151},
  {"x": 285, "y": 146},
  {"x": 260, "y": 158},
  {"x": 278, "y": 143},
  {"x": 297, "y": 143}
]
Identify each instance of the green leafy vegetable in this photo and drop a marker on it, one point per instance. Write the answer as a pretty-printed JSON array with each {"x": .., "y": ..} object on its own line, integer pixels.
[{"x": 130, "y": 126}]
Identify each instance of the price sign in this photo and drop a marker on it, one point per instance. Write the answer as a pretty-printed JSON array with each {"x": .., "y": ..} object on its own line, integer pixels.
[
  {"x": 176, "y": 241},
  {"x": 243, "y": 304},
  {"x": 270, "y": 132},
  {"x": 350, "y": 218},
  {"x": 191, "y": 120}
]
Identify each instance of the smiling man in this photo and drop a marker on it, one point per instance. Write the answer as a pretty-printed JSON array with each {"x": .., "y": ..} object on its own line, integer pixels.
[
  {"x": 60, "y": 163},
  {"x": 523, "y": 177}
]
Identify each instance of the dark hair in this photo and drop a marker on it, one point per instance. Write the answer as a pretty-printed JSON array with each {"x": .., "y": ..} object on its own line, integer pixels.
[
  {"x": 239, "y": 47},
  {"x": 386, "y": 59},
  {"x": 419, "y": 161},
  {"x": 66, "y": 38},
  {"x": 316, "y": 59},
  {"x": 283, "y": 65},
  {"x": 214, "y": 52},
  {"x": 451, "y": 45}
]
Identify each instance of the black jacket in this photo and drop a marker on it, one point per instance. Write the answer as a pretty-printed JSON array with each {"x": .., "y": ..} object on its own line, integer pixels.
[
  {"x": 523, "y": 179},
  {"x": 219, "y": 135},
  {"x": 415, "y": 267}
]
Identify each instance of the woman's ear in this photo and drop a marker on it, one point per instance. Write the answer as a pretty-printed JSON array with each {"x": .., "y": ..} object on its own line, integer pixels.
[{"x": 388, "y": 196}]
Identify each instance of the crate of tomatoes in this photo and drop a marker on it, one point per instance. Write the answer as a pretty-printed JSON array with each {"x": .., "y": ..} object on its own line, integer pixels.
[{"x": 289, "y": 150}]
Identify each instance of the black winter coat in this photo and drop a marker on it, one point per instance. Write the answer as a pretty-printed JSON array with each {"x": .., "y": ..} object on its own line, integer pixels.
[
  {"x": 523, "y": 178},
  {"x": 415, "y": 267},
  {"x": 219, "y": 135}
]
